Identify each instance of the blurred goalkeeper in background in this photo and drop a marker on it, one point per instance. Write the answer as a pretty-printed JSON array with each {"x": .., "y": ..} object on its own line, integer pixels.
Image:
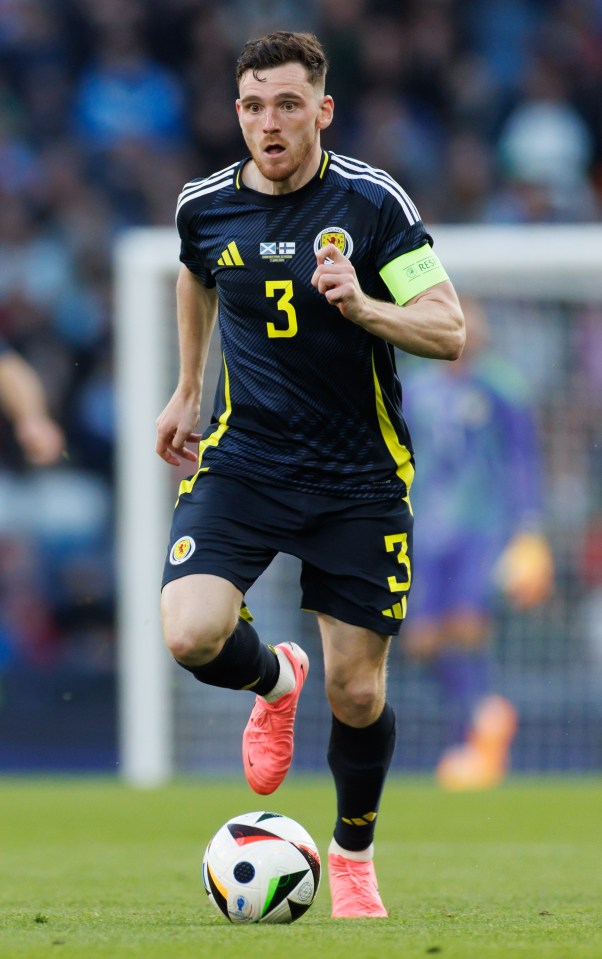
[
  {"x": 478, "y": 519},
  {"x": 318, "y": 265}
]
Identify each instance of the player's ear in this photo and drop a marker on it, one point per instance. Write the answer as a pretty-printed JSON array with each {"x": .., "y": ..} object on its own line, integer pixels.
[
  {"x": 326, "y": 112},
  {"x": 239, "y": 114}
]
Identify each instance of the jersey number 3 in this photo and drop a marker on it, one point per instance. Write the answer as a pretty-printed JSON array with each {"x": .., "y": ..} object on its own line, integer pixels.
[{"x": 284, "y": 305}]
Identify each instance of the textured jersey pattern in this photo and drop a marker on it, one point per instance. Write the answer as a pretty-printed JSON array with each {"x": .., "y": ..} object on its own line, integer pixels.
[{"x": 311, "y": 400}]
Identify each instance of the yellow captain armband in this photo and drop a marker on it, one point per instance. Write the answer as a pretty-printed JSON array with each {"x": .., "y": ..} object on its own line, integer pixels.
[{"x": 413, "y": 273}]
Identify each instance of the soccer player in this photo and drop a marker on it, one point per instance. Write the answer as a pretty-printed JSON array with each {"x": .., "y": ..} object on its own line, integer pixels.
[
  {"x": 318, "y": 266},
  {"x": 479, "y": 533},
  {"x": 23, "y": 401}
]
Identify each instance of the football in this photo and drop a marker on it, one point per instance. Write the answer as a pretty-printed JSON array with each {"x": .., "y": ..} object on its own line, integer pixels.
[{"x": 261, "y": 867}]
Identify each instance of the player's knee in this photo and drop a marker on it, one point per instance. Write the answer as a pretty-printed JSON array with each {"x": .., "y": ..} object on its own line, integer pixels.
[
  {"x": 194, "y": 645},
  {"x": 195, "y": 641},
  {"x": 357, "y": 702}
]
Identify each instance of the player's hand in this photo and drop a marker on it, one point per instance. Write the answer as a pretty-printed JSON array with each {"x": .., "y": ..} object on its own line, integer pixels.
[
  {"x": 337, "y": 280},
  {"x": 525, "y": 570},
  {"x": 41, "y": 439},
  {"x": 175, "y": 428}
]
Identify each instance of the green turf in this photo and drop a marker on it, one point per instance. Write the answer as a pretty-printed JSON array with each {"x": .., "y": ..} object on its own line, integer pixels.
[{"x": 94, "y": 869}]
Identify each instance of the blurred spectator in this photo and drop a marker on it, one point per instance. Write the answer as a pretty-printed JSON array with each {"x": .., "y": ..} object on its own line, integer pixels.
[
  {"x": 503, "y": 33},
  {"x": 242, "y": 19},
  {"x": 545, "y": 151},
  {"x": 128, "y": 111},
  {"x": 126, "y": 95},
  {"x": 35, "y": 266},
  {"x": 470, "y": 165}
]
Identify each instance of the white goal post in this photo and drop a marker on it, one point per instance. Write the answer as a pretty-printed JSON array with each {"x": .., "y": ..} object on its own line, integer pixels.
[{"x": 529, "y": 261}]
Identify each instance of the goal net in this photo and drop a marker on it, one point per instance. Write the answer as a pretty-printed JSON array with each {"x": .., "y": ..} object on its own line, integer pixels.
[{"x": 542, "y": 287}]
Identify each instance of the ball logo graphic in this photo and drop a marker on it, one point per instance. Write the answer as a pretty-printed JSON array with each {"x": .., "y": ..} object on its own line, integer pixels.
[
  {"x": 181, "y": 550},
  {"x": 242, "y": 909},
  {"x": 305, "y": 892}
]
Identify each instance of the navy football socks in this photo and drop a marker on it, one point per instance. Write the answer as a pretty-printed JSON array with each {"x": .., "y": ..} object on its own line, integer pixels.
[
  {"x": 243, "y": 663},
  {"x": 359, "y": 760}
]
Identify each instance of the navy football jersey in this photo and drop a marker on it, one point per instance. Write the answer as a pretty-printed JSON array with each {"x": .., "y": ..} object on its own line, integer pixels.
[{"x": 306, "y": 398}]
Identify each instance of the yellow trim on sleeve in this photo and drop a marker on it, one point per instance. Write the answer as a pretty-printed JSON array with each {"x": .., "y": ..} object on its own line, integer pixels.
[{"x": 412, "y": 273}]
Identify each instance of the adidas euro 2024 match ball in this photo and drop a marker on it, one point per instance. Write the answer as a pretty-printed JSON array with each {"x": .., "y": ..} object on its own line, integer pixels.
[{"x": 261, "y": 867}]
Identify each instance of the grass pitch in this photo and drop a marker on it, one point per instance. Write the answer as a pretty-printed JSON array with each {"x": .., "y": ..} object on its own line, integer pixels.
[{"x": 92, "y": 870}]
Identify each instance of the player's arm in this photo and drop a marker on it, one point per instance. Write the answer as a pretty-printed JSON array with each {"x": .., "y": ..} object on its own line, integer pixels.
[
  {"x": 429, "y": 323},
  {"x": 23, "y": 400},
  {"x": 196, "y": 311}
]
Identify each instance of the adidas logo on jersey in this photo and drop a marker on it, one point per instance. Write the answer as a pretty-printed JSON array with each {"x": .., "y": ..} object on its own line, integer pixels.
[{"x": 230, "y": 256}]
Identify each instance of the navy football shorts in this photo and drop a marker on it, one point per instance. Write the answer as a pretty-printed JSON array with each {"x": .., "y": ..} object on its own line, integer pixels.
[{"x": 356, "y": 555}]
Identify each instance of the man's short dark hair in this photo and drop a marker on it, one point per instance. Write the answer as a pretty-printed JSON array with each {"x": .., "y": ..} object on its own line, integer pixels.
[{"x": 276, "y": 49}]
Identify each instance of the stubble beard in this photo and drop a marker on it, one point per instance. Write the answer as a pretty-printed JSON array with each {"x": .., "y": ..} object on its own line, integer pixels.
[
  {"x": 279, "y": 174},
  {"x": 272, "y": 174}
]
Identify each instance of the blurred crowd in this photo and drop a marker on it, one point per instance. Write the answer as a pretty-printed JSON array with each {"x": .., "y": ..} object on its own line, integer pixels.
[{"x": 486, "y": 111}]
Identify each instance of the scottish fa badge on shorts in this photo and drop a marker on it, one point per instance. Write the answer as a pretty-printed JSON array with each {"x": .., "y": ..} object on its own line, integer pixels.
[
  {"x": 338, "y": 237},
  {"x": 181, "y": 550}
]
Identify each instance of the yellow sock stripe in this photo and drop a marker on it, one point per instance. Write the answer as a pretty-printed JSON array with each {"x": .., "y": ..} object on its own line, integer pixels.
[{"x": 364, "y": 820}]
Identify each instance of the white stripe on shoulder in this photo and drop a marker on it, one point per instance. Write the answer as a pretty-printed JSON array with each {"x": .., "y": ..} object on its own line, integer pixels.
[
  {"x": 201, "y": 181},
  {"x": 210, "y": 184},
  {"x": 358, "y": 170},
  {"x": 359, "y": 165}
]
